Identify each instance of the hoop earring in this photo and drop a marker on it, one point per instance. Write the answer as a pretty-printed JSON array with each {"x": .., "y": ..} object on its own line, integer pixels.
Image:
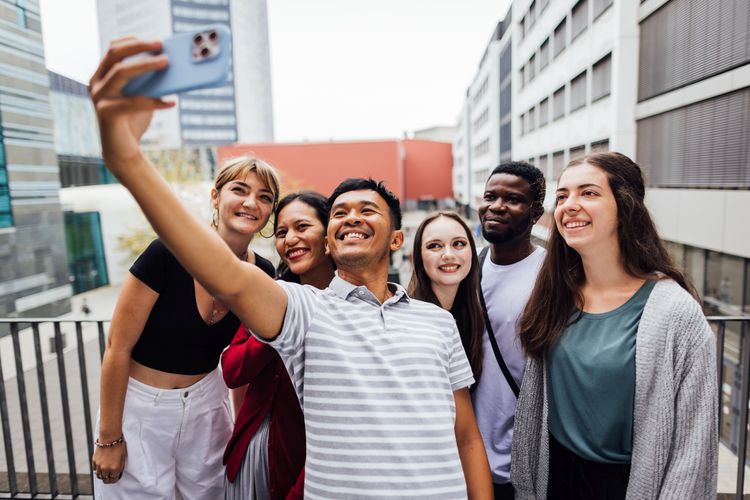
[{"x": 215, "y": 218}]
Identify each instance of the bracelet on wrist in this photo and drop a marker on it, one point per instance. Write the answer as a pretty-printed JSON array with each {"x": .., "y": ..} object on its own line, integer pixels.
[{"x": 117, "y": 441}]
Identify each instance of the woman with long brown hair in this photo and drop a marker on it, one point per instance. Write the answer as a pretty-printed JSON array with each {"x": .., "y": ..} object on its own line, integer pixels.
[
  {"x": 619, "y": 398},
  {"x": 446, "y": 273}
]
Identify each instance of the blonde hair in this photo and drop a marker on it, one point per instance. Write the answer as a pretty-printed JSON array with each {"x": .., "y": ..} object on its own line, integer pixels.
[{"x": 238, "y": 168}]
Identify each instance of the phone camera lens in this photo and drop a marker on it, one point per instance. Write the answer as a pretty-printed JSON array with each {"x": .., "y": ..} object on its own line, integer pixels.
[
  {"x": 197, "y": 39},
  {"x": 213, "y": 36},
  {"x": 205, "y": 51}
]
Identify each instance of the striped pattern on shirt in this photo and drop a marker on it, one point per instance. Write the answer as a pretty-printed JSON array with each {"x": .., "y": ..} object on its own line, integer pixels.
[{"x": 376, "y": 384}]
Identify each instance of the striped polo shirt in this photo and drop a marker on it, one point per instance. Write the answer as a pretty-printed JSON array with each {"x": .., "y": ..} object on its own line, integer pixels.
[{"x": 376, "y": 384}]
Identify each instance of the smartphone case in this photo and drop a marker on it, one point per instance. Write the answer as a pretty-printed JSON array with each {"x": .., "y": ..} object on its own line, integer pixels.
[{"x": 184, "y": 73}]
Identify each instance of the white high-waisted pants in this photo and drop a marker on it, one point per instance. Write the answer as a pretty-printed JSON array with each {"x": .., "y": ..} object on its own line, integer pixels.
[{"x": 175, "y": 442}]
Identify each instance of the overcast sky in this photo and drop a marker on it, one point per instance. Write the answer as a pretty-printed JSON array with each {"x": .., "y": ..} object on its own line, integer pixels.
[{"x": 341, "y": 69}]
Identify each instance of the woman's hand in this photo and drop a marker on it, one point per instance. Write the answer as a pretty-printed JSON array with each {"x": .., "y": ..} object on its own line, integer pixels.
[
  {"x": 123, "y": 120},
  {"x": 108, "y": 463}
]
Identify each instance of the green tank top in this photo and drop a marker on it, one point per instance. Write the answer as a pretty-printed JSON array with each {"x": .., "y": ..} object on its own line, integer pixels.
[{"x": 591, "y": 388}]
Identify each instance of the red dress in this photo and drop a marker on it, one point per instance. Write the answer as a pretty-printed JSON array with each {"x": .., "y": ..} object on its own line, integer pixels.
[{"x": 249, "y": 361}]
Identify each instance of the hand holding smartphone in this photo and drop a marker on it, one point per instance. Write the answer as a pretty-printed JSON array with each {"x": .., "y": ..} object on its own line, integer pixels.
[{"x": 197, "y": 59}]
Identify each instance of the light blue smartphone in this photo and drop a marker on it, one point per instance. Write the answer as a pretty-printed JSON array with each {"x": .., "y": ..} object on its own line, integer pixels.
[{"x": 197, "y": 60}]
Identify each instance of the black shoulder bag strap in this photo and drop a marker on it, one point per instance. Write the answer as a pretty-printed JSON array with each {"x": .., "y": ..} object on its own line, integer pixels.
[{"x": 488, "y": 325}]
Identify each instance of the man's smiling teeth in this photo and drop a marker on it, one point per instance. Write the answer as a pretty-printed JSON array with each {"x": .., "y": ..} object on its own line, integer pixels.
[
  {"x": 354, "y": 236},
  {"x": 573, "y": 225}
]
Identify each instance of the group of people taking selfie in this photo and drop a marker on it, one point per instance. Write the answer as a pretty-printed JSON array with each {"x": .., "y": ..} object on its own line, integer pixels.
[{"x": 583, "y": 370}]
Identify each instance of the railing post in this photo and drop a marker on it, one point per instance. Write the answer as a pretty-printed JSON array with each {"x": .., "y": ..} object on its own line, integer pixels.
[
  {"x": 12, "y": 483},
  {"x": 100, "y": 328},
  {"x": 51, "y": 473},
  {"x": 21, "y": 381},
  {"x": 744, "y": 398},
  {"x": 85, "y": 396},
  {"x": 720, "y": 336},
  {"x": 66, "y": 411}
]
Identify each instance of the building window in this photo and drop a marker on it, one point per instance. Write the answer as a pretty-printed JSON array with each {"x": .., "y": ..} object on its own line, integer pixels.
[
  {"x": 544, "y": 55},
  {"x": 524, "y": 126},
  {"x": 600, "y": 146},
  {"x": 577, "y": 152},
  {"x": 522, "y": 24},
  {"x": 560, "y": 36},
  {"x": 532, "y": 14},
  {"x": 482, "y": 90},
  {"x": 6, "y": 214},
  {"x": 482, "y": 119},
  {"x": 482, "y": 148},
  {"x": 578, "y": 92},
  {"x": 724, "y": 283},
  {"x": 686, "y": 41},
  {"x": 532, "y": 119},
  {"x": 532, "y": 67},
  {"x": 522, "y": 75},
  {"x": 505, "y": 138},
  {"x": 579, "y": 18},
  {"x": 21, "y": 17},
  {"x": 558, "y": 103},
  {"x": 601, "y": 78},
  {"x": 505, "y": 97},
  {"x": 543, "y": 112},
  {"x": 702, "y": 145},
  {"x": 558, "y": 163},
  {"x": 600, "y": 6},
  {"x": 543, "y": 164},
  {"x": 506, "y": 63}
]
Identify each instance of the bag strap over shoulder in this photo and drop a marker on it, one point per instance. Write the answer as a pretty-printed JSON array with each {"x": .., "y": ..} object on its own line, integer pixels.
[{"x": 488, "y": 325}]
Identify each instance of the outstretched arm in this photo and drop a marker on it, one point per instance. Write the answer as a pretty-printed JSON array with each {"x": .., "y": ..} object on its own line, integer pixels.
[{"x": 253, "y": 296}]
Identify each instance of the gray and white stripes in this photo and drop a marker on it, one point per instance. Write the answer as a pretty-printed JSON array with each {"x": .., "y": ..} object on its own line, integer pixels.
[{"x": 376, "y": 384}]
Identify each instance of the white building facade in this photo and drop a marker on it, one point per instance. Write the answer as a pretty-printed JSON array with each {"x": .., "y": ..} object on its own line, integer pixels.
[
  {"x": 484, "y": 128},
  {"x": 575, "y": 75},
  {"x": 666, "y": 82},
  {"x": 241, "y": 110}
]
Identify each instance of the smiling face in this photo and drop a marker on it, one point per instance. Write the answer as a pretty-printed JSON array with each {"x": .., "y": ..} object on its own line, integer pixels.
[
  {"x": 360, "y": 232},
  {"x": 244, "y": 205},
  {"x": 300, "y": 237},
  {"x": 506, "y": 209},
  {"x": 586, "y": 210},
  {"x": 446, "y": 252}
]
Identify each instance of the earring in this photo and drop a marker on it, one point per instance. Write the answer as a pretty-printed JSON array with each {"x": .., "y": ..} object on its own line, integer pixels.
[{"x": 215, "y": 218}]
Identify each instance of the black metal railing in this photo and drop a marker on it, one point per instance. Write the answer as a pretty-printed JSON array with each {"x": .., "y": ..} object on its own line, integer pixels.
[
  {"x": 58, "y": 425},
  {"x": 734, "y": 406}
]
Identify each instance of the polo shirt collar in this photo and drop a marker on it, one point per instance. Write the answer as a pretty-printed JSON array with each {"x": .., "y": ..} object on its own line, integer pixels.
[{"x": 344, "y": 289}]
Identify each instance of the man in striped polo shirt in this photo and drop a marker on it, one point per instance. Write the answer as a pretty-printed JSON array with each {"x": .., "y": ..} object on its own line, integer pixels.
[{"x": 382, "y": 377}]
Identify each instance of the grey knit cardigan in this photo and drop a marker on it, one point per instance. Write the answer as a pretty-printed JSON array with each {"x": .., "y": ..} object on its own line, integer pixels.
[{"x": 675, "y": 417}]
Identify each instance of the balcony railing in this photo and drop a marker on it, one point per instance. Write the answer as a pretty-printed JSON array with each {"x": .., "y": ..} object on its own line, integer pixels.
[
  {"x": 49, "y": 371},
  {"x": 49, "y": 391}
]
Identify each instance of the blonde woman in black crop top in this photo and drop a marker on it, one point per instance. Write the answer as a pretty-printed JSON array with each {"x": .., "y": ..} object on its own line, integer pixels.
[{"x": 164, "y": 416}]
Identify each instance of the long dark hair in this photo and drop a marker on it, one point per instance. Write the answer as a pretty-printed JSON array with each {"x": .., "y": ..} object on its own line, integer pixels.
[
  {"x": 558, "y": 287},
  {"x": 317, "y": 202},
  {"x": 466, "y": 307}
]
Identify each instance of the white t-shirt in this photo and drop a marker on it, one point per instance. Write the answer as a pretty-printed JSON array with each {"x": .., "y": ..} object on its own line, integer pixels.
[{"x": 506, "y": 290}]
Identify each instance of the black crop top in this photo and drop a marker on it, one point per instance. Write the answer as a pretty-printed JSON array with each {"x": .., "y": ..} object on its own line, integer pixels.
[{"x": 175, "y": 338}]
